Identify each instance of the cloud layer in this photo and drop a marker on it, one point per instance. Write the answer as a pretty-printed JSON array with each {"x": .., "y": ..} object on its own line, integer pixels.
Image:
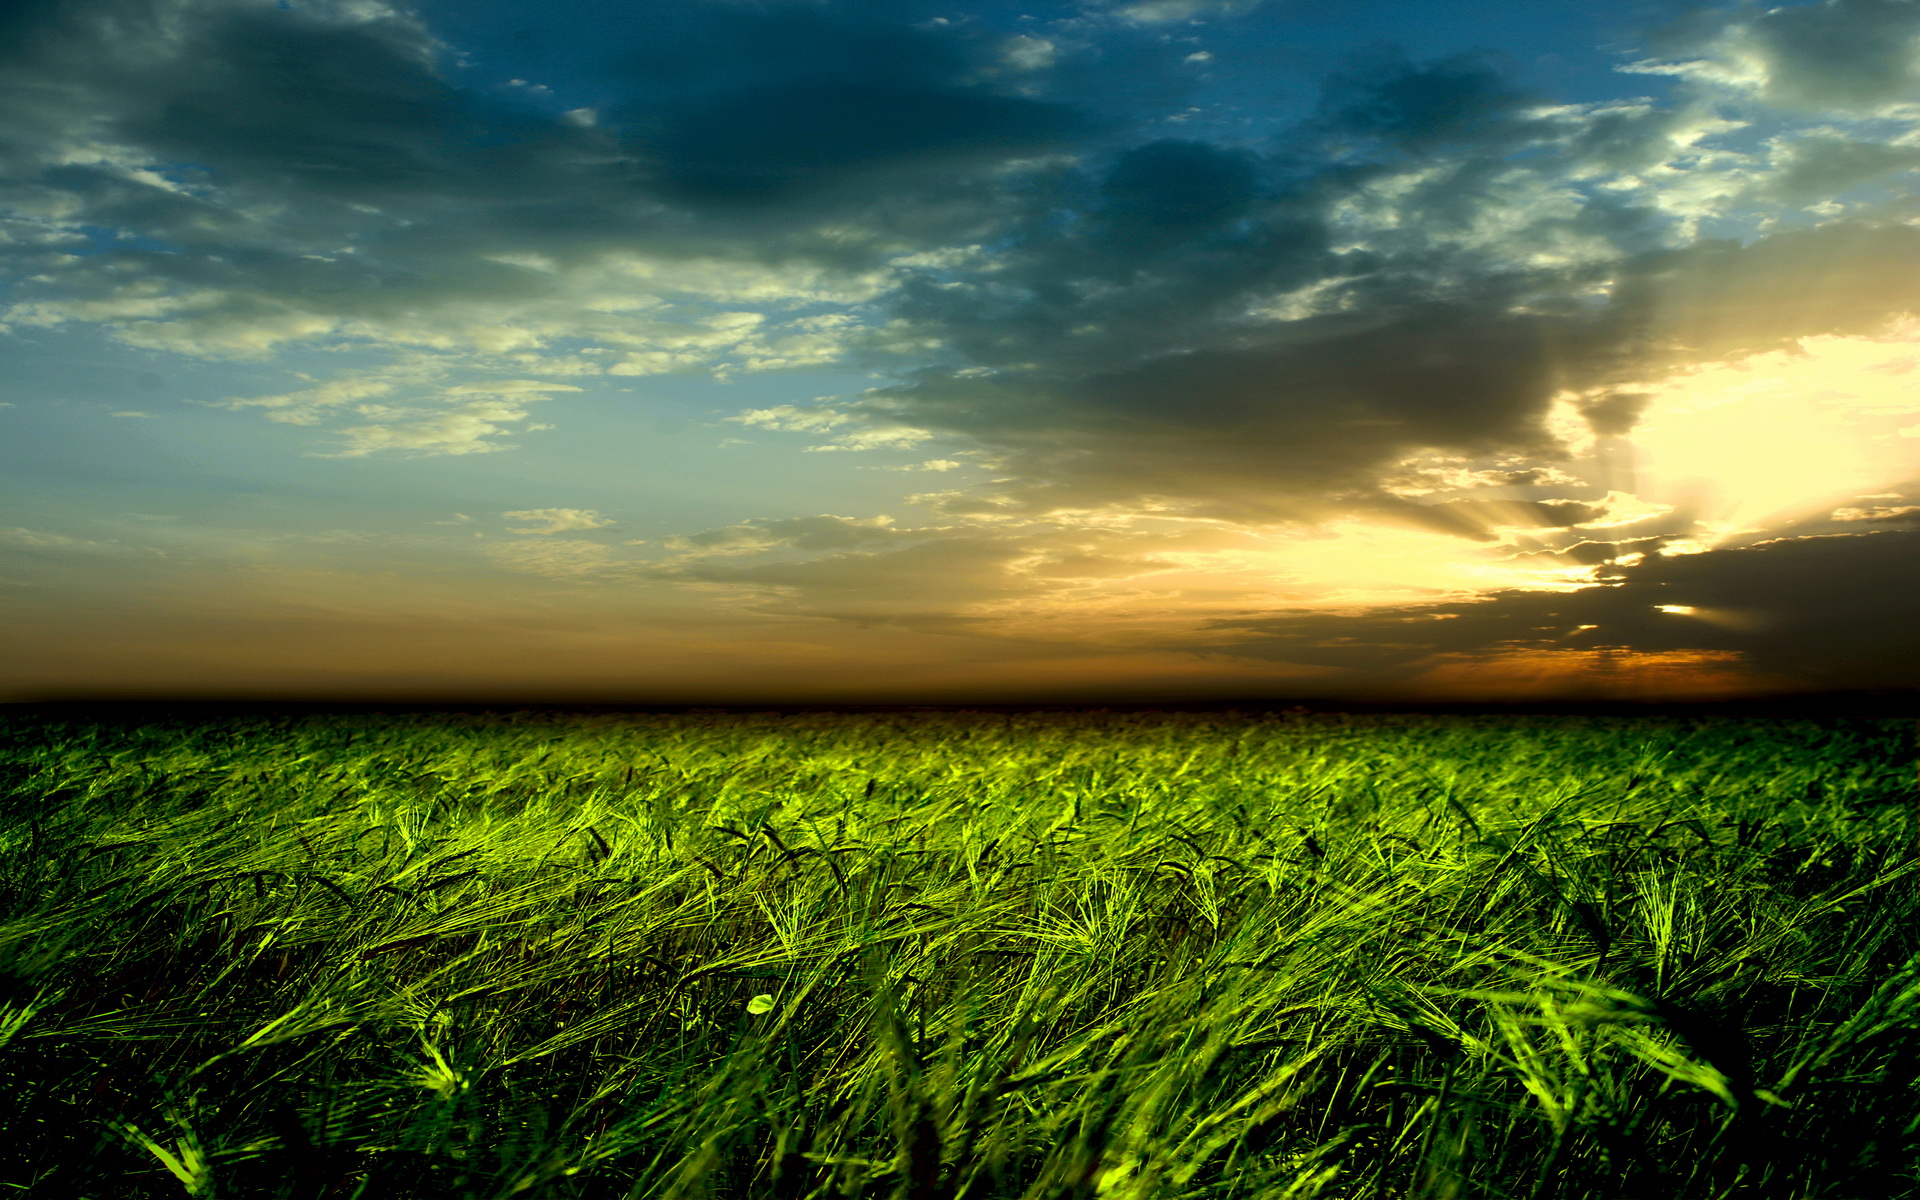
[{"x": 1134, "y": 314}]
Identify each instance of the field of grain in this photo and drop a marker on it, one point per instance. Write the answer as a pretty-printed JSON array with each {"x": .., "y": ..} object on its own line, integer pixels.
[{"x": 939, "y": 956}]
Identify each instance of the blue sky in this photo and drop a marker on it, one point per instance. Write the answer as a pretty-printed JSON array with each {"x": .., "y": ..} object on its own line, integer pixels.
[{"x": 818, "y": 350}]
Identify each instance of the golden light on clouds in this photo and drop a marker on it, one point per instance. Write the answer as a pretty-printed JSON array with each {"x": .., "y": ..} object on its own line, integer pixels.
[
  {"x": 1740, "y": 620},
  {"x": 1727, "y": 449},
  {"x": 1600, "y": 674},
  {"x": 1167, "y": 580},
  {"x": 1361, "y": 563}
]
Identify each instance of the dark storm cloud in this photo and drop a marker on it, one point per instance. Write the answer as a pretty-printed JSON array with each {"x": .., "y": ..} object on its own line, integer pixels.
[{"x": 1818, "y": 611}]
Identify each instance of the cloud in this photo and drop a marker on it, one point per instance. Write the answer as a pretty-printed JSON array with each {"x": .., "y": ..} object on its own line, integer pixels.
[
  {"x": 877, "y": 437},
  {"x": 791, "y": 418},
  {"x": 947, "y": 578},
  {"x": 1806, "y": 612},
  {"x": 1721, "y": 298},
  {"x": 1261, "y": 325},
  {"x": 462, "y": 429},
  {"x": 775, "y": 143},
  {"x": 1218, "y": 414},
  {"x": 19, "y": 536},
  {"x": 413, "y": 412},
  {"x": 1473, "y": 516},
  {"x": 1015, "y": 583},
  {"x": 558, "y": 558},
  {"x": 1153, "y": 349},
  {"x": 557, "y": 520},
  {"x": 928, "y": 585},
  {"x": 1814, "y": 169},
  {"x": 306, "y": 406},
  {"x": 1614, "y": 414},
  {"x": 1258, "y": 432},
  {"x": 218, "y": 177},
  {"x": 1410, "y": 106},
  {"x": 824, "y": 532},
  {"x": 257, "y": 177},
  {"x": 810, "y": 107},
  {"x": 869, "y": 434},
  {"x": 1844, "y": 56},
  {"x": 1879, "y": 512},
  {"x": 1159, "y": 12}
]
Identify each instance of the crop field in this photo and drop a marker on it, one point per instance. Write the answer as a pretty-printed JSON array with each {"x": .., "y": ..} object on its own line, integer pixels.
[{"x": 935, "y": 956}]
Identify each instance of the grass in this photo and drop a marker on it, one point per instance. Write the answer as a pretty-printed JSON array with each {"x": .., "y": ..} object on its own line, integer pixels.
[{"x": 947, "y": 956}]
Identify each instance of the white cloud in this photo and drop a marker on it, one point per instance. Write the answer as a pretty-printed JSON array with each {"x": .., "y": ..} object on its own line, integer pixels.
[
  {"x": 1163, "y": 12},
  {"x": 791, "y": 418},
  {"x": 1027, "y": 53},
  {"x": 307, "y": 405},
  {"x": 874, "y": 434},
  {"x": 877, "y": 437},
  {"x": 557, "y": 520},
  {"x": 534, "y": 388},
  {"x": 476, "y": 413},
  {"x": 466, "y": 429}
]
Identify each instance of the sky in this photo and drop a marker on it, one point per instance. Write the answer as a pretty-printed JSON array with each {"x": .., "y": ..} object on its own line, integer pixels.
[{"x": 816, "y": 351}]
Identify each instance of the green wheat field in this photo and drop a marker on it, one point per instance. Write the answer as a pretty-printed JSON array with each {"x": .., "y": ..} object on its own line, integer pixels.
[{"x": 947, "y": 955}]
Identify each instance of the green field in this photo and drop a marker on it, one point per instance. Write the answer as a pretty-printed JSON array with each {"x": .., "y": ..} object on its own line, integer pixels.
[{"x": 945, "y": 955}]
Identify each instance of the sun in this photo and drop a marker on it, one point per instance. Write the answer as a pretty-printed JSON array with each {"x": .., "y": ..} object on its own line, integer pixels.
[{"x": 1749, "y": 445}]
